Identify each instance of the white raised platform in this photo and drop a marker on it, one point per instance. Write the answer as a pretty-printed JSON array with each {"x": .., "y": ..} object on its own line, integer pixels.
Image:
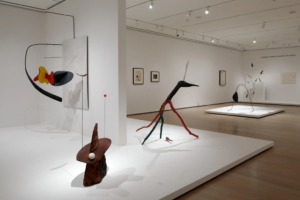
[
  {"x": 283, "y": 103},
  {"x": 40, "y": 163},
  {"x": 246, "y": 111}
]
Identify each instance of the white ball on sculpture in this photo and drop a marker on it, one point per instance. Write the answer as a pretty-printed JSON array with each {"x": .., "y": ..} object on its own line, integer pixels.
[{"x": 92, "y": 156}]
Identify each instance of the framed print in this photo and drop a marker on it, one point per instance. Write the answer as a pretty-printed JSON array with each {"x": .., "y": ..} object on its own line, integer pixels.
[
  {"x": 155, "y": 76},
  {"x": 222, "y": 77},
  {"x": 138, "y": 76}
]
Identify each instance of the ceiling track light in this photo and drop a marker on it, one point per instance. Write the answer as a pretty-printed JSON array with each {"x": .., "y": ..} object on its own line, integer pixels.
[
  {"x": 213, "y": 40},
  {"x": 207, "y": 11},
  {"x": 189, "y": 14},
  {"x": 151, "y": 4},
  {"x": 254, "y": 41},
  {"x": 264, "y": 25}
]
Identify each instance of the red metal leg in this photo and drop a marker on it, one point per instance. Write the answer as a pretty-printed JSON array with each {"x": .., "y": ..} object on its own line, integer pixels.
[
  {"x": 161, "y": 110},
  {"x": 170, "y": 102}
]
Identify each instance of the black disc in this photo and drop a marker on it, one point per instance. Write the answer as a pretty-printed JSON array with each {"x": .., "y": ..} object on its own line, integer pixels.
[
  {"x": 235, "y": 97},
  {"x": 62, "y": 78}
]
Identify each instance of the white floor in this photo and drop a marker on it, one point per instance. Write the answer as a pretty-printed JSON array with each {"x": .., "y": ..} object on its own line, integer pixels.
[
  {"x": 246, "y": 111},
  {"x": 38, "y": 162}
]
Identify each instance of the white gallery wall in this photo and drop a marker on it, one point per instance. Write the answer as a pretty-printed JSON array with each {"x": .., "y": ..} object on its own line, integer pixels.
[
  {"x": 19, "y": 100},
  {"x": 104, "y": 23},
  {"x": 274, "y": 62},
  {"x": 169, "y": 56}
]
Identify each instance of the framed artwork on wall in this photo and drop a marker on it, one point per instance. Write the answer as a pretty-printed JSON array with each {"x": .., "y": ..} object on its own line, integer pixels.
[
  {"x": 155, "y": 76},
  {"x": 222, "y": 77},
  {"x": 138, "y": 76}
]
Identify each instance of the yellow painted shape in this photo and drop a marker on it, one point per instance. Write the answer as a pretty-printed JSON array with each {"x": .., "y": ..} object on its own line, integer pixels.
[{"x": 42, "y": 75}]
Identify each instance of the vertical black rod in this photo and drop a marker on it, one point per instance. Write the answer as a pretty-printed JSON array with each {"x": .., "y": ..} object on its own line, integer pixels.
[
  {"x": 104, "y": 115},
  {"x": 73, "y": 27},
  {"x": 82, "y": 110}
]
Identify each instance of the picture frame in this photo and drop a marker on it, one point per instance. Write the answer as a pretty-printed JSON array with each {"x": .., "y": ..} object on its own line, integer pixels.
[
  {"x": 154, "y": 76},
  {"x": 222, "y": 77},
  {"x": 138, "y": 76}
]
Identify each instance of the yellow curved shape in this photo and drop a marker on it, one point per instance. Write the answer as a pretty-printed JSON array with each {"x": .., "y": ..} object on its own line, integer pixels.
[{"x": 42, "y": 75}]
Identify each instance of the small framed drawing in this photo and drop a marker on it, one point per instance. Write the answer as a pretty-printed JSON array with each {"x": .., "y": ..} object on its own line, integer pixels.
[
  {"x": 154, "y": 76},
  {"x": 222, "y": 77},
  {"x": 138, "y": 76}
]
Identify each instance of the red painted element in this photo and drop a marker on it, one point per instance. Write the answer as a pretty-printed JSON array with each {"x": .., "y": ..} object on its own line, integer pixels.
[
  {"x": 137, "y": 76},
  {"x": 186, "y": 128},
  {"x": 50, "y": 78},
  {"x": 37, "y": 77},
  {"x": 105, "y": 95},
  {"x": 162, "y": 108},
  {"x": 174, "y": 110}
]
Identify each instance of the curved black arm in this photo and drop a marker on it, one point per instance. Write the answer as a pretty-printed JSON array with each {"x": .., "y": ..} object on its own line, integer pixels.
[
  {"x": 248, "y": 94},
  {"x": 48, "y": 94}
]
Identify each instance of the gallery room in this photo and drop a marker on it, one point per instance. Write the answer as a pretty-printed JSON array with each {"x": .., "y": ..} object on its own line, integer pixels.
[{"x": 150, "y": 99}]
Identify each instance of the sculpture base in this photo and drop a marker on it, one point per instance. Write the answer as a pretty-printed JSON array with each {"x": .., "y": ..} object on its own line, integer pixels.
[{"x": 94, "y": 173}]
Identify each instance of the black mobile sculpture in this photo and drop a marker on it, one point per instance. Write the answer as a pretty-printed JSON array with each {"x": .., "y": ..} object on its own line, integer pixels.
[
  {"x": 250, "y": 79},
  {"x": 179, "y": 85},
  {"x": 58, "y": 78},
  {"x": 235, "y": 96}
]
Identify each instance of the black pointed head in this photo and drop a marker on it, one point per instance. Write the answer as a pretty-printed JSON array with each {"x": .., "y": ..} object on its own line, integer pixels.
[
  {"x": 235, "y": 97},
  {"x": 186, "y": 84},
  {"x": 262, "y": 72}
]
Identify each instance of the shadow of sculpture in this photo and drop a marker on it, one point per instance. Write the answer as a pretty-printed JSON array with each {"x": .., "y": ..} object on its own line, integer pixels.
[{"x": 111, "y": 184}]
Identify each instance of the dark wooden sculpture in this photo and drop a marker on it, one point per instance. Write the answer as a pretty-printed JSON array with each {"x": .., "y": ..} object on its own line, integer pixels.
[{"x": 96, "y": 167}]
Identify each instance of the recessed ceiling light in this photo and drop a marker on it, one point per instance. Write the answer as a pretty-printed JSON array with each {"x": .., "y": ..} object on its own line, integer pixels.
[
  {"x": 189, "y": 14},
  {"x": 207, "y": 11},
  {"x": 254, "y": 41},
  {"x": 151, "y": 4},
  {"x": 213, "y": 40}
]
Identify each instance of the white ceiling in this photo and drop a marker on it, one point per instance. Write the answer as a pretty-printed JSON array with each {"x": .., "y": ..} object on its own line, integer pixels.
[
  {"x": 234, "y": 23},
  {"x": 41, "y": 4}
]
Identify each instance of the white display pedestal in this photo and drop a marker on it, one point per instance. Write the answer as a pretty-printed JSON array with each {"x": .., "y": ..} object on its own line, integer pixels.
[
  {"x": 246, "y": 111},
  {"x": 156, "y": 170}
]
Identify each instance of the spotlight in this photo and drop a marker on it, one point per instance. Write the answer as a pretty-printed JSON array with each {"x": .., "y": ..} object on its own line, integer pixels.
[
  {"x": 264, "y": 25},
  {"x": 207, "y": 11},
  {"x": 254, "y": 41},
  {"x": 151, "y": 4},
  {"x": 189, "y": 14},
  {"x": 213, "y": 40}
]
